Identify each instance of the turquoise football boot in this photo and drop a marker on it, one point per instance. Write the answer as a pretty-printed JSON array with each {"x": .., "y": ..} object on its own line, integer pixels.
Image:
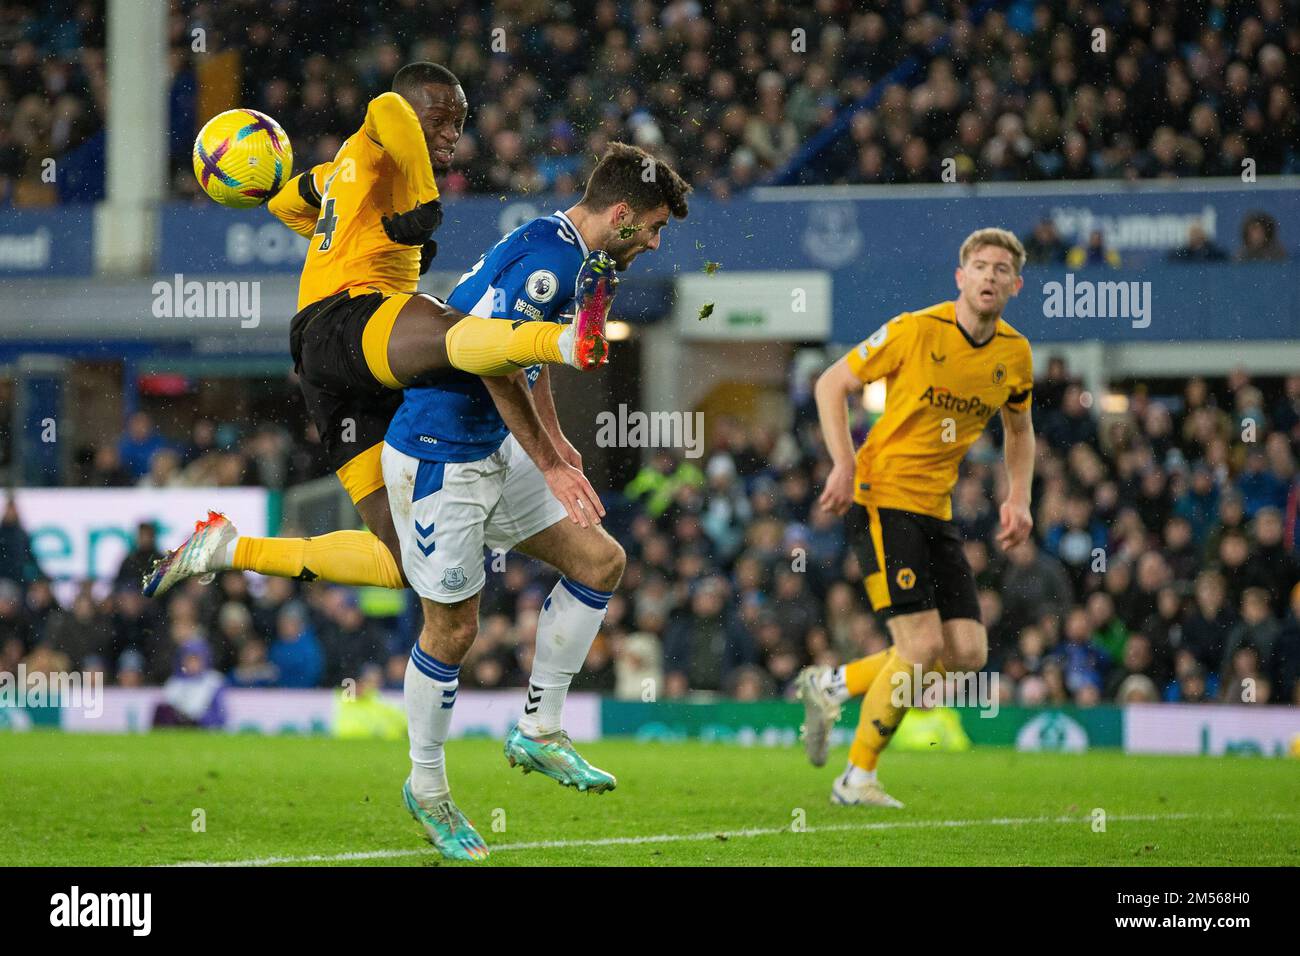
[
  {"x": 554, "y": 756},
  {"x": 446, "y": 827}
]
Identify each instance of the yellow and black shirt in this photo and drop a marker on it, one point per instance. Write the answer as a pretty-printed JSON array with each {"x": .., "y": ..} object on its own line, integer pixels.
[
  {"x": 942, "y": 389},
  {"x": 380, "y": 169}
]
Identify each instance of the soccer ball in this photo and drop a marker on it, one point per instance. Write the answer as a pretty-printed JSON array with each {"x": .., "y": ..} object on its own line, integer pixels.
[{"x": 242, "y": 158}]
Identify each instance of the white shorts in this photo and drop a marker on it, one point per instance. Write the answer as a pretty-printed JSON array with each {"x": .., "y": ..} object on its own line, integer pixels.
[{"x": 447, "y": 512}]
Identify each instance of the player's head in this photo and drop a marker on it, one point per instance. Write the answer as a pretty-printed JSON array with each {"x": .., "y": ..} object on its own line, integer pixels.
[
  {"x": 632, "y": 195},
  {"x": 435, "y": 94},
  {"x": 989, "y": 271}
]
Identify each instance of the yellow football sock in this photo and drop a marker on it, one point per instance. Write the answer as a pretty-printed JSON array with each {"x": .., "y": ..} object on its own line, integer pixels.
[
  {"x": 859, "y": 674},
  {"x": 341, "y": 557},
  {"x": 500, "y": 346},
  {"x": 880, "y": 716}
]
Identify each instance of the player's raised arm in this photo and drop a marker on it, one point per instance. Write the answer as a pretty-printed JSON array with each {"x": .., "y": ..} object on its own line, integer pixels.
[
  {"x": 392, "y": 124},
  {"x": 297, "y": 205}
]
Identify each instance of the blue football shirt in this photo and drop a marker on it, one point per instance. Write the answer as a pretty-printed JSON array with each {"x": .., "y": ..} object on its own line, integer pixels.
[{"x": 530, "y": 275}]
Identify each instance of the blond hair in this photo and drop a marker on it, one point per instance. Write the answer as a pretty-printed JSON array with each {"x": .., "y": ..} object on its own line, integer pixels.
[{"x": 993, "y": 236}]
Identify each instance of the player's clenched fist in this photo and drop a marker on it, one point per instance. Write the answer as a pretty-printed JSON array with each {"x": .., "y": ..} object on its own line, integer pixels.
[
  {"x": 414, "y": 228},
  {"x": 571, "y": 487},
  {"x": 838, "y": 494}
]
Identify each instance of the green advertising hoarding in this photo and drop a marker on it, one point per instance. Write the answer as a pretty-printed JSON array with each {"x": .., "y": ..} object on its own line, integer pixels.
[{"x": 776, "y": 723}]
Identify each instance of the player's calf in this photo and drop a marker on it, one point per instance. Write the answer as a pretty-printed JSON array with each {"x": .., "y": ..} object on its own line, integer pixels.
[{"x": 379, "y": 519}]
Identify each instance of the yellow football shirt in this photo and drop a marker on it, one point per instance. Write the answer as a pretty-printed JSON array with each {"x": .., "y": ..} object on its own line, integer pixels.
[
  {"x": 941, "y": 390},
  {"x": 381, "y": 169}
]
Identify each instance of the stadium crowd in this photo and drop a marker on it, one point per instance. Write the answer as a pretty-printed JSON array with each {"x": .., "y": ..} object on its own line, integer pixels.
[
  {"x": 1164, "y": 566},
  {"x": 729, "y": 90}
]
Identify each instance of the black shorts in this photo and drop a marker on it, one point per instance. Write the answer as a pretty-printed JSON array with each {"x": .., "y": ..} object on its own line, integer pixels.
[
  {"x": 341, "y": 369},
  {"x": 912, "y": 562}
]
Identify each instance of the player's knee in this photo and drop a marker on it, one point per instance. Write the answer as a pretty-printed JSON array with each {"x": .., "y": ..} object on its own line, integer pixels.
[
  {"x": 609, "y": 565},
  {"x": 970, "y": 658},
  {"x": 601, "y": 567},
  {"x": 615, "y": 562},
  {"x": 924, "y": 648}
]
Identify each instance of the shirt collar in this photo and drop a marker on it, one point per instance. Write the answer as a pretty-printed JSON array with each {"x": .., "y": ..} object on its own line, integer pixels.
[{"x": 569, "y": 222}]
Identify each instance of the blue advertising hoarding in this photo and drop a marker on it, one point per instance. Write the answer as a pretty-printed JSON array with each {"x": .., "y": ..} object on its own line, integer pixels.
[
  {"x": 892, "y": 249},
  {"x": 885, "y": 249},
  {"x": 47, "y": 242}
]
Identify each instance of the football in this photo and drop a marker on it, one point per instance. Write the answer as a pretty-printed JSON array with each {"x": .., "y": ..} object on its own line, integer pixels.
[{"x": 242, "y": 158}]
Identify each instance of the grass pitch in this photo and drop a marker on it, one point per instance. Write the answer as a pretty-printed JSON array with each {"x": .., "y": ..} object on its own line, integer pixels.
[{"x": 106, "y": 800}]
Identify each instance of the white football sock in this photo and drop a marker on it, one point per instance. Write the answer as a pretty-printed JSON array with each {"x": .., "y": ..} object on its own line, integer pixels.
[
  {"x": 855, "y": 776},
  {"x": 225, "y": 558},
  {"x": 834, "y": 684},
  {"x": 429, "y": 693},
  {"x": 566, "y": 628}
]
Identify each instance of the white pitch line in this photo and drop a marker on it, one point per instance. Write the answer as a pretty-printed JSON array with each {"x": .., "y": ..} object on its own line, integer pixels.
[{"x": 702, "y": 837}]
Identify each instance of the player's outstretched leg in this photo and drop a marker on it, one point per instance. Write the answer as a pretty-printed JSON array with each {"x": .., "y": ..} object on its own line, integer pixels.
[
  {"x": 880, "y": 717},
  {"x": 354, "y": 558},
  {"x": 427, "y": 337}
]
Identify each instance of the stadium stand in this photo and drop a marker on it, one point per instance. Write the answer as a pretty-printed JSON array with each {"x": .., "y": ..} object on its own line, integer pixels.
[{"x": 1020, "y": 91}]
